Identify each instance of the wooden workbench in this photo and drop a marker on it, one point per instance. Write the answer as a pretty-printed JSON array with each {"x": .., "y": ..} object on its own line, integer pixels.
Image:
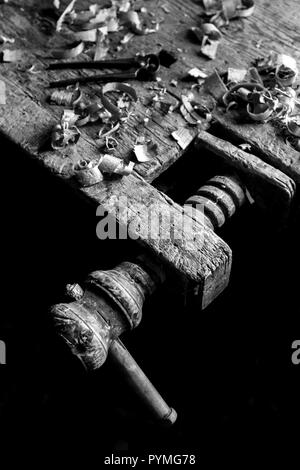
[{"x": 27, "y": 117}]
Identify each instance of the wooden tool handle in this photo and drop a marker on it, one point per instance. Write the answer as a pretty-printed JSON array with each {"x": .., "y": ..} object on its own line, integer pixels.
[{"x": 141, "y": 384}]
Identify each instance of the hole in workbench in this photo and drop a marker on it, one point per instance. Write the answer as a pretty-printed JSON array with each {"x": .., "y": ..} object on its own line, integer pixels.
[
  {"x": 189, "y": 173},
  {"x": 186, "y": 175}
]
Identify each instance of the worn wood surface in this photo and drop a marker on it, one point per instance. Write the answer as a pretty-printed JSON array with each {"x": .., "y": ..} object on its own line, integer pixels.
[
  {"x": 27, "y": 118},
  {"x": 204, "y": 261},
  {"x": 238, "y": 48}
]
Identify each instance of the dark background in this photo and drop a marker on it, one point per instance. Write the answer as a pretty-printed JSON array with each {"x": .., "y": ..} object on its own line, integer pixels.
[{"x": 227, "y": 370}]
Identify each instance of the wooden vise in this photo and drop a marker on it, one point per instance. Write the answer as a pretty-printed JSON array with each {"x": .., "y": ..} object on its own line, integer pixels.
[{"x": 111, "y": 302}]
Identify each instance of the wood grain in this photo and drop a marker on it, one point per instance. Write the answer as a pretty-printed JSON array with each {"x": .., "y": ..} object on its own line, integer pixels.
[
  {"x": 203, "y": 261},
  {"x": 238, "y": 48},
  {"x": 28, "y": 118}
]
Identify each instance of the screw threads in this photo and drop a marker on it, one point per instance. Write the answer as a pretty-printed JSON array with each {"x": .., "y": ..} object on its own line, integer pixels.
[{"x": 219, "y": 198}]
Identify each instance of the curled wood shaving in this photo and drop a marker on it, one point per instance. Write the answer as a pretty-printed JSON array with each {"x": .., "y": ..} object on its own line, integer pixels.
[
  {"x": 68, "y": 97},
  {"x": 132, "y": 19},
  {"x": 286, "y": 70},
  {"x": 88, "y": 173},
  {"x": 293, "y": 125},
  {"x": 62, "y": 17},
  {"x": 287, "y": 98},
  {"x": 188, "y": 112},
  {"x": 246, "y": 8},
  {"x": 71, "y": 51},
  {"x": 231, "y": 9},
  {"x": 103, "y": 135},
  {"x": 113, "y": 165},
  {"x": 65, "y": 133},
  {"x": 220, "y": 12},
  {"x": 260, "y": 106},
  {"x": 118, "y": 87}
]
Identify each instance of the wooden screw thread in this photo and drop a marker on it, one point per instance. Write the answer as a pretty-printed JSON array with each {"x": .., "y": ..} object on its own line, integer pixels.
[{"x": 219, "y": 198}]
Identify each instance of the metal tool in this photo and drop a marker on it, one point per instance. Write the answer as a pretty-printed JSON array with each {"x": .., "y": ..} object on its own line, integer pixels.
[{"x": 144, "y": 68}]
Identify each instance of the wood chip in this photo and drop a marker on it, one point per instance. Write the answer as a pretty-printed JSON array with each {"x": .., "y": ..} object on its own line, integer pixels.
[
  {"x": 5, "y": 39},
  {"x": 183, "y": 137},
  {"x": 197, "y": 73},
  {"x": 215, "y": 86},
  {"x": 73, "y": 50},
  {"x": 113, "y": 165},
  {"x": 127, "y": 38},
  {"x": 9, "y": 55},
  {"x": 89, "y": 35},
  {"x": 62, "y": 17},
  {"x": 236, "y": 75}
]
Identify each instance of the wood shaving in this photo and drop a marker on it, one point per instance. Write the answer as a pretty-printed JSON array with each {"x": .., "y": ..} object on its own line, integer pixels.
[
  {"x": 183, "y": 137},
  {"x": 122, "y": 5},
  {"x": 73, "y": 50},
  {"x": 293, "y": 125},
  {"x": 63, "y": 16},
  {"x": 65, "y": 133},
  {"x": 113, "y": 165},
  {"x": 127, "y": 38},
  {"x": 118, "y": 87},
  {"x": 236, "y": 75},
  {"x": 144, "y": 150},
  {"x": 67, "y": 97},
  {"x": 209, "y": 48},
  {"x": 165, "y": 8},
  {"x": 9, "y": 55},
  {"x": 215, "y": 86},
  {"x": 88, "y": 173},
  {"x": 197, "y": 73},
  {"x": 5, "y": 39},
  {"x": 286, "y": 70},
  {"x": 89, "y": 35}
]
